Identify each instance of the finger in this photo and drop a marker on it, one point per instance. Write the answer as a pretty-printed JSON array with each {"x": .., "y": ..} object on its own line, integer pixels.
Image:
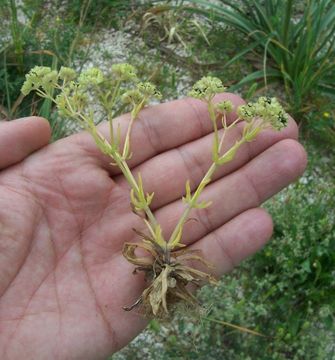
[
  {"x": 192, "y": 160},
  {"x": 241, "y": 237},
  {"x": 159, "y": 128},
  {"x": 19, "y": 138},
  {"x": 244, "y": 189}
]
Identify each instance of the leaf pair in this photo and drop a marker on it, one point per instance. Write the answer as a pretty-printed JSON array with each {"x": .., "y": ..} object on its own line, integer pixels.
[{"x": 187, "y": 199}]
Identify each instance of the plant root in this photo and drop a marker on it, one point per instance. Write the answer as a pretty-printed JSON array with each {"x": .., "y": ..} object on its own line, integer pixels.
[{"x": 168, "y": 277}]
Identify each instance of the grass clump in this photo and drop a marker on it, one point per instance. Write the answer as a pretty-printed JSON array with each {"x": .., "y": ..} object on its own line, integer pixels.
[{"x": 294, "y": 45}]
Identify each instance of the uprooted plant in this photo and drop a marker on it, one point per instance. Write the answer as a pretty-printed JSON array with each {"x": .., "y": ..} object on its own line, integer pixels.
[{"x": 83, "y": 97}]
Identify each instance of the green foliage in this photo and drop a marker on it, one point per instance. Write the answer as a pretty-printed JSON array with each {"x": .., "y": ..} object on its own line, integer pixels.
[{"x": 294, "y": 46}]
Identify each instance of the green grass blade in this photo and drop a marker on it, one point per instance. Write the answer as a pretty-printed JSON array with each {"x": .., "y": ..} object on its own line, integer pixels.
[{"x": 272, "y": 74}]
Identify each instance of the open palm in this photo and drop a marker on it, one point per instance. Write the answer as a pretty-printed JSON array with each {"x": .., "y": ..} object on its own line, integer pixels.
[{"x": 65, "y": 214}]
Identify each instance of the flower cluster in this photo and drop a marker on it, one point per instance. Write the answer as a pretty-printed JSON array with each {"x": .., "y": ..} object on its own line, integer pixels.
[
  {"x": 67, "y": 74},
  {"x": 47, "y": 79},
  {"x": 73, "y": 90},
  {"x": 206, "y": 88},
  {"x": 149, "y": 90},
  {"x": 39, "y": 77},
  {"x": 90, "y": 77},
  {"x": 246, "y": 112},
  {"x": 225, "y": 106},
  {"x": 72, "y": 100},
  {"x": 132, "y": 97},
  {"x": 124, "y": 72},
  {"x": 267, "y": 109},
  {"x": 141, "y": 94}
]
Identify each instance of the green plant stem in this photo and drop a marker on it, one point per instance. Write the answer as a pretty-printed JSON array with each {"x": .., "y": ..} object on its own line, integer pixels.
[
  {"x": 206, "y": 179},
  {"x": 226, "y": 157},
  {"x": 115, "y": 93},
  {"x": 122, "y": 164},
  {"x": 125, "y": 152},
  {"x": 111, "y": 129},
  {"x": 115, "y": 155},
  {"x": 212, "y": 116},
  {"x": 120, "y": 161}
]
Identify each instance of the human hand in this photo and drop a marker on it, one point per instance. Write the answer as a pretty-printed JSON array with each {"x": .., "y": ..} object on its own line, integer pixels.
[{"x": 65, "y": 214}]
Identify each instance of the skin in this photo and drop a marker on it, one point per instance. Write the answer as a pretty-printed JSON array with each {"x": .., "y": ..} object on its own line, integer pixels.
[{"x": 65, "y": 214}]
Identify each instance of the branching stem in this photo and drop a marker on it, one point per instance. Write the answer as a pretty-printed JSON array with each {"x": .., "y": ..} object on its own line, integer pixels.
[{"x": 226, "y": 157}]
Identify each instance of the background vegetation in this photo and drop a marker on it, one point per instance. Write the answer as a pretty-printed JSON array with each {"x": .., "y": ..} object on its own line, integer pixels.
[{"x": 286, "y": 48}]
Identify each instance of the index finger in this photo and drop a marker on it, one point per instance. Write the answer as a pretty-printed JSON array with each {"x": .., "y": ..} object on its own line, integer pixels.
[{"x": 160, "y": 128}]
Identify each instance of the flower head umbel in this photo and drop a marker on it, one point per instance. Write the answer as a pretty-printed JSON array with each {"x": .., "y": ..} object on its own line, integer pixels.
[
  {"x": 124, "y": 72},
  {"x": 67, "y": 74},
  {"x": 246, "y": 112},
  {"x": 149, "y": 90},
  {"x": 89, "y": 77},
  {"x": 270, "y": 110},
  {"x": 132, "y": 97},
  {"x": 267, "y": 109},
  {"x": 37, "y": 77},
  {"x": 71, "y": 100},
  {"x": 140, "y": 96},
  {"x": 206, "y": 88},
  {"x": 225, "y": 106},
  {"x": 49, "y": 81}
]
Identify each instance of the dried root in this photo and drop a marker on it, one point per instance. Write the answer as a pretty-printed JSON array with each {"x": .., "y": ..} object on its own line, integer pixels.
[{"x": 168, "y": 277}]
